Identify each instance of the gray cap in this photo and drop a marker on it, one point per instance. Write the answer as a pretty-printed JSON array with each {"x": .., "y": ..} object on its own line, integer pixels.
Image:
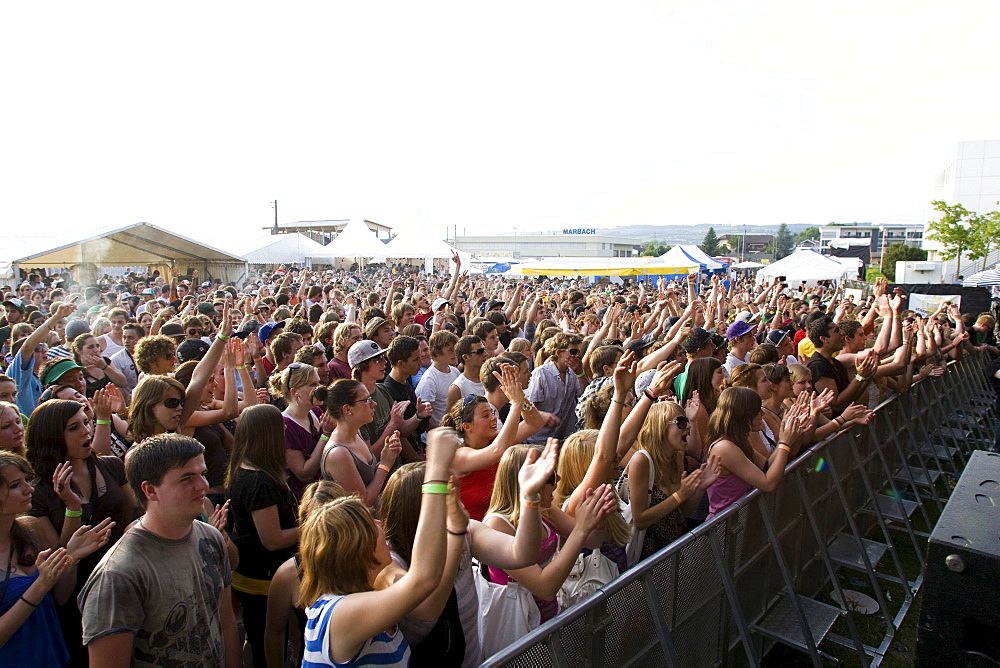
[
  {"x": 363, "y": 350},
  {"x": 75, "y": 328}
]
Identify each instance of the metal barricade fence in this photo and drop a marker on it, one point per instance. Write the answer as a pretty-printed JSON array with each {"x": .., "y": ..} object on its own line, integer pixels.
[{"x": 727, "y": 591}]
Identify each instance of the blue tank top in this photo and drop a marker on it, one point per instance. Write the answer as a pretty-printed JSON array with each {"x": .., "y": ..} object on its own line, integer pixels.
[{"x": 382, "y": 650}]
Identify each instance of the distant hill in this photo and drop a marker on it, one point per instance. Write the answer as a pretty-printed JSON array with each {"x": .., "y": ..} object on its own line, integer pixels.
[{"x": 691, "y": 234}]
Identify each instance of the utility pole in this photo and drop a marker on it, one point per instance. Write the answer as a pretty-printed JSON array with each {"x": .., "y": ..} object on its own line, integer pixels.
[{"x": 274, "y": 230}]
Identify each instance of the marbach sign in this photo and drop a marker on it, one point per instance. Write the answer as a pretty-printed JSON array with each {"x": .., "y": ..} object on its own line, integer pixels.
[{"x": 580, "y": 230}]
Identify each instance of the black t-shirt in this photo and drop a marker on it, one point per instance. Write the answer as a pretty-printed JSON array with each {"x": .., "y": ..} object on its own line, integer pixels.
[
  {"x": 212, "y": 436},
  {"x": 405, "y": 392},
  {"x": 256, "y": 490},
  {"x": 821, "y": 367}
]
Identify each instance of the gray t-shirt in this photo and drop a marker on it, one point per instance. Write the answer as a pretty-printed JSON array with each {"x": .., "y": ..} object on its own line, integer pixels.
[{"x": 167, "y": 592}]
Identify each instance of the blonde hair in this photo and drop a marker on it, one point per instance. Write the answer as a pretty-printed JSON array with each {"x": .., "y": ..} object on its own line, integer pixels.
[
  {"x": 506, "y": 498},
  {"x": 667, "y": 462},
  {"x": 317, "y": 494},
  {"x": 520, "y": 345},
  {"x": 575, "y": 457},
  {"x": 337, "y": 550},
  {"x": 800, "y": 372},
  {"x": 293, "y": 376}
]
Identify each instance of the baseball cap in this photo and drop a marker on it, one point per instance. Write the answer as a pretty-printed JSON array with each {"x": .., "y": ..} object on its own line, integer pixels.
[
  {"x": 698, "y": 337},
  {"x": 206, "y": 308},
  {"x": 638, "y": 345},
  {"x": 439, "y": 303},
  {"x": 363, "y": 350},
  {"x": 776, "y": 336},
  {"x": 56, "y": 371},
  {"x": 738, "y": 329},
  {"x": 191, "y": 349},
  {"x": 14, "y": 302},
  {"x": 172, "y": 329},
  {"x": 75, "y": 328},
  {"x": 265, "y": 330},
  {"x": 494, "y": 303}
]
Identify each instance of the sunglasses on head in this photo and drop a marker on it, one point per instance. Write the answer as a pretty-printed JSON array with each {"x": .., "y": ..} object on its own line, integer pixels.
[{"x": 173, "y": 402}]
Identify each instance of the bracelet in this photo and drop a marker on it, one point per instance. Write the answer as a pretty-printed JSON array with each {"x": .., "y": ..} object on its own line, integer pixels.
[
  {"x": 579, "y": 375},
  {"x": 531, "y": 504},
  {"x": 434, "y": 488},
  {"x": 74, "y": 513},
  {"x": 786, "y": 448},
  {"x": 858, "y": 377},
  {"x": 440, "y": 482},
  {"x": 33, "y": 605},
  {"x": 223, "y": 337},
  {"x": 652, "y": 397},
  {"x": 677, "y": 497},
  {"x": 241, "y": 367},
  {"x": 456, "y": 533},
  {"x": 324, "y": 437},
  {"x": 100, "y": 422},
  {"x": 617, "y": 401},
  {"x": 386, "y": 469}
]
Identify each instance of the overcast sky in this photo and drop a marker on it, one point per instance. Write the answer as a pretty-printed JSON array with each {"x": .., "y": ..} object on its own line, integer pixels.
[{"x": 194, "y": 116}]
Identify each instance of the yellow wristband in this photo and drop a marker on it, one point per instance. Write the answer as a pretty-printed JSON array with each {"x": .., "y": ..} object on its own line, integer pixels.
[
  {"x": 782, "y": 446},
  {"x": 677, "y": 497},
  {"x": 435, "y": 488}
]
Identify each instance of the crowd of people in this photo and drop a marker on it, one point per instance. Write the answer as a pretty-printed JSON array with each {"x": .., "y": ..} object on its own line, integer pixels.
[{"x": 335, "y": 467}]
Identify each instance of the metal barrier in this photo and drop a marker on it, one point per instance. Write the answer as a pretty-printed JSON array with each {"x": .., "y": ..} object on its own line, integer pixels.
[{"x": 727, "y": 591}]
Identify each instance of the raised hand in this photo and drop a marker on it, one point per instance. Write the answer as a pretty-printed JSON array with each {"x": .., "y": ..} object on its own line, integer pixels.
[
  {"x": 596, "y": 505},
  {"x": 625, "y": 373},
  {"x": 710, "y": 471},
  {"x": 442, "y": 444},
  {"x": 396, "y": 413},
  {"x": 867, "y": 364},
  {"x": 510, "y": 382},
  {"x": 664, "y": 376},
  {"x": 101, "y": 403},
  {"x": 61, "y": 479},
  {"x": 424, "y": 408},
  {"x": 690, "y": 482},
  {"x": 537, "y": 469},
  {"x": 391, "y": 449},
  {"x": 86, "y": 540},
  {"x": 51, "y": 565},
  {"x": 220, "y": 516},
  {"x": 692, "y": 406}
]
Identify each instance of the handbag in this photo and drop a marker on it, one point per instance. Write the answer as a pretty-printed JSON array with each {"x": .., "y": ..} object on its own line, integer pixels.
[
  {"x": 634, "y": 548},
  {"x": 507, "y": 613},
  {"x": 590, "y": 573}
]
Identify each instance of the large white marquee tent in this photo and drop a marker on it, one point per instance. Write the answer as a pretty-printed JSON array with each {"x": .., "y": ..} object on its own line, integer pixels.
[{"x": 804, "y": 265}]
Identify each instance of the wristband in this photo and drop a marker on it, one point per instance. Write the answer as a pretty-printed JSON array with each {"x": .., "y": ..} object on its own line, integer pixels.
[
  {"x": 433, "y": 488},
  {"x": 223, "y": 337},
  {"x": 782, "y": 446},
  {"x": 324, "y": 437},
  {"x": 74, "y": 513},
  {"x": 652, "y": 397},
  {"x": 100, "y": 422},
  {"x": 617, "y": 401},
  {"x": 241, "y": 367},
  {"x": 531, "y": 504},
  {"x": 858, "y": 377},
  {"x": 677, "y": 497},
  {"x": 33, "y": 605},
  {"x": 385, "y": 468},
  {"x": 456, "y": 533},
  {"x": 579, "y": 375}
]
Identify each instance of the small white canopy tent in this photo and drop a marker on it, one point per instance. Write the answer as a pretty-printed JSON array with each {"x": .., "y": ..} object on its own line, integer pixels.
[
  {"x": 683, "y": 254},
  {"x": 412, "y": 245},
  {"x": 804, "y": 265},
  {"x": 273, "y": 249},
  {"x": 356, "y": 241},
  {"x": 139, "y": 246}
]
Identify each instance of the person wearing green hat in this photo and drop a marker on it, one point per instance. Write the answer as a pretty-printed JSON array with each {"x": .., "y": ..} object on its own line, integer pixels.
[{"x": 63, "y": 371}]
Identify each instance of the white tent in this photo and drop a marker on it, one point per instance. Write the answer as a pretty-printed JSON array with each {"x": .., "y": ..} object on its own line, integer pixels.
[
  {"x": 747, "y": 265},
  {"x": 139, "y": 246},
  {"x": 803, "y": 265},
  {"x": 412, "y": 245},
  {"x": 356, "y": 241},
  {"x": 281, "y": 249},
  {"x": 683, "y": 254}
]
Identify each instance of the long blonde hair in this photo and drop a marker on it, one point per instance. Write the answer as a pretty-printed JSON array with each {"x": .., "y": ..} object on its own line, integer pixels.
[
  {"x": 667, "y": 462},
  {"x": 575, "y": 456},
  {"x": 506, "y": 498}
]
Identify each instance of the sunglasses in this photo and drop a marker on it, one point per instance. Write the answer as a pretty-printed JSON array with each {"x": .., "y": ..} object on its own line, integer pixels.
[
  {"x": 173, "y": 402},
  {"x": 481, "y": 351},
  {"x": 572, "y": 351},
  {"x": 681, "y": 422},
  {"x": 193, "y": 332}
]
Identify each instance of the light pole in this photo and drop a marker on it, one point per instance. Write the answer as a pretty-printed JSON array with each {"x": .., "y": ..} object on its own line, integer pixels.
[{"x": 881, "y": 253}]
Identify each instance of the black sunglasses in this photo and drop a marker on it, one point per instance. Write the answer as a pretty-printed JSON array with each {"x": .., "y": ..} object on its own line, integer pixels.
[
  {"x": 481, "y": 351},
  {"x": 681, "y": 422},
  {"x": 173, "y": 402}
]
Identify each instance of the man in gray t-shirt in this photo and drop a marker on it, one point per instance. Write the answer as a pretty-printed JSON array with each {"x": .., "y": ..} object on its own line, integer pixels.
[{"x": 160, "y": 596}]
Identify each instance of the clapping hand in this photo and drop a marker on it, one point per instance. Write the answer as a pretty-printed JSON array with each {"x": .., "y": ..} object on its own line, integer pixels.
[
  {"x": 61, "y": 479},
  {"x": 220, "y": 516},
  {"x": 86, "y": 540},
  {"x": 538, "y": 468}
]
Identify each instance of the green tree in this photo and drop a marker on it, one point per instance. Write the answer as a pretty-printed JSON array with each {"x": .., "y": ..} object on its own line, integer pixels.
[
  {"x": 953, "y": 230},
  {"x": 654, "y": 249},
  {"x": 899, "y": 252},
  {"x": 710, "y": 244},
  {"x": 783, "y": 242},
  {"x": 985, "y": 236},
  {"x": 806, "y": 234}
]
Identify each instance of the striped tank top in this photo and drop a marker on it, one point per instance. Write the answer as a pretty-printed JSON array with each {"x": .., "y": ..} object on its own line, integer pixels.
[{"x": 382, "y": 650}]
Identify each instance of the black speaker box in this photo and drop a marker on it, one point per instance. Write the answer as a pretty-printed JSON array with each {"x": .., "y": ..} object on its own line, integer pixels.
[{"x": 959, "y": 621}]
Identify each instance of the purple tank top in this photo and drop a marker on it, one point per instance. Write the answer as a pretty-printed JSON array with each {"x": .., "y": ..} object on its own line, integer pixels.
[
  {"x": 724, "y": 492},
  {"x": 548, "y": 609}
]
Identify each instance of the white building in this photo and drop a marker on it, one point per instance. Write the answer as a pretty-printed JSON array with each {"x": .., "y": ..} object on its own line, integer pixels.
[
  {"x": 973, "y": 181},
  {"x": 574, "y": 242},
  {"x": 877, "y": 236}
]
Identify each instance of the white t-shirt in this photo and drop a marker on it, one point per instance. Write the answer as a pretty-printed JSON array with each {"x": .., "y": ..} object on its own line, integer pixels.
[
  {"x": 433, "y": 388},
  {"x": 468, "y": 386}
]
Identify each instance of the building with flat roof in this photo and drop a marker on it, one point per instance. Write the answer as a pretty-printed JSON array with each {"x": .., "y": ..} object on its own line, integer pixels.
[
  {"x": 876, "y": 236},
  {"x": 571, "y": 242}
]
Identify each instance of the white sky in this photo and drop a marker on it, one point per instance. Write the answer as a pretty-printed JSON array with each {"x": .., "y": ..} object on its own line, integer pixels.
[{"x": 193, "y": 116}]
